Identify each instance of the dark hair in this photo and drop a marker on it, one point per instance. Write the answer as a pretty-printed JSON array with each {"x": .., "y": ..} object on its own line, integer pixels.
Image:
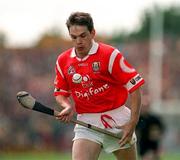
[{"x": 82, "y": 19}]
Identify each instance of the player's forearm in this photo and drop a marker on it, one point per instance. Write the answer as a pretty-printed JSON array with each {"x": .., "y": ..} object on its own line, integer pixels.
[
  {"x": 135, "y": 106},
  {"x": 63, "y": 101}
]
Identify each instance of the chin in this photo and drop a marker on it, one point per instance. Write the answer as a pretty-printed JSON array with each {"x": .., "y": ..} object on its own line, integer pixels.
[{"x": 81, "y": 51}]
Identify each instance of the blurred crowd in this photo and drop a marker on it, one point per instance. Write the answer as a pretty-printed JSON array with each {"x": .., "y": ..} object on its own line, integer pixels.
[{"x": 32, "y": 70}]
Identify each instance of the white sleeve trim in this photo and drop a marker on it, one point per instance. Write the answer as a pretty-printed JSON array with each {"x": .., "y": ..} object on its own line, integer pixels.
[
  {"x": 133, "y": 82},
  {"x": 124, "y": 67},
  {"x": 112, "y": 59},
  {"x": 59, "y": 69}
]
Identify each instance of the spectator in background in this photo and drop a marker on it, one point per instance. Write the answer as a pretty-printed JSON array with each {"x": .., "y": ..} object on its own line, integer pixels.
[{"x": 149, "y": 131}]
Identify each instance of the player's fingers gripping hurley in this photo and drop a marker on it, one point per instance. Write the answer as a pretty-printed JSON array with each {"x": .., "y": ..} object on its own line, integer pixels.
[
  {"x": 127, "y": 136},
  {"x": 65, "y": 115}
]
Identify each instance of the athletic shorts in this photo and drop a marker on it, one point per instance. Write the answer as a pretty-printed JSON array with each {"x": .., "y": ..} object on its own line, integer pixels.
[{"x": 106, "y": 120}]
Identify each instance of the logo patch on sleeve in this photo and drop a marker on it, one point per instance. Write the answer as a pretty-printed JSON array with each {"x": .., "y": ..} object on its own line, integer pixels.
[
  {"x": 56, "y": 90},
  {"x": 133, "y": 81},
  {"x": 137, "y": 78}
]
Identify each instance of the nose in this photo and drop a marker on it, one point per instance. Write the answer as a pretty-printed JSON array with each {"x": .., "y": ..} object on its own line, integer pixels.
[{"x": 79, "y": 40}]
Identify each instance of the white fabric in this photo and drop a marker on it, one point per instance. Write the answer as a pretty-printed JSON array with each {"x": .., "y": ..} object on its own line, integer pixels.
[
  {"x": 120, "y": 115},
  {"x": 112, "y": 59}
]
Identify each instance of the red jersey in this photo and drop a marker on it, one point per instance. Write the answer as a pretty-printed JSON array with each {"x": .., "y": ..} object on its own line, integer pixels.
[{"x": 99, "y": 82}]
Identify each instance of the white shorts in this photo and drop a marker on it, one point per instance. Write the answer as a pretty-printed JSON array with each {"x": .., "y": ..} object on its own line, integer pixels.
[{"x": 120, "y": 116}]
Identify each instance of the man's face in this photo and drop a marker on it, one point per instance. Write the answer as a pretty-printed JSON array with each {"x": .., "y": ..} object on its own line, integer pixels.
[{"x": 81, "y": 38}]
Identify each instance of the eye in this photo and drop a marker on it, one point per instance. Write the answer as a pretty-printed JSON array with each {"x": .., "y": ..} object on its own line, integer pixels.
[
  {"x": 73, "y": 37},
  {"x": 83, "y": 35}
]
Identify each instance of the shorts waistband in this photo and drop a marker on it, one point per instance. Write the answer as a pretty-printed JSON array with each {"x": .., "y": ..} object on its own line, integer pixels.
[{"x": 116, "y": 110}]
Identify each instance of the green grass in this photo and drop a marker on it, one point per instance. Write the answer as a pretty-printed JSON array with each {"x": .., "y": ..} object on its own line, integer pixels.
[{"x": 62, "y": 156}]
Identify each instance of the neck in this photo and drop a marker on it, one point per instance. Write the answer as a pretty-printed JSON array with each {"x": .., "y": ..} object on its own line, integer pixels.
[{"x": 81, "y": 55}]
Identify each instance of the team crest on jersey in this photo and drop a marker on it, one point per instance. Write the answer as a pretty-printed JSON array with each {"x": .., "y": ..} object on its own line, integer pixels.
[
  {"x": 71, "y": 70},
  {"x": 96, "y": 66}
]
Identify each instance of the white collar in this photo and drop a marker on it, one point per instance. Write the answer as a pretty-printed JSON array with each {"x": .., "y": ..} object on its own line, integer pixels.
[{"x": 93, "y": 49}]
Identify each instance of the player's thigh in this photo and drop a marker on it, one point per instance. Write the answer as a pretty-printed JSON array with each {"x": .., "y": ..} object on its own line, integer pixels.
[
  {"x": 126, "y": 154},
  {"x": 84, "y": 149}
]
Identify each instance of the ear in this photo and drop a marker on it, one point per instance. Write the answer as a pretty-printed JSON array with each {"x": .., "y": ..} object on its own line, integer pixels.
[{"x": 93, "y": 33}]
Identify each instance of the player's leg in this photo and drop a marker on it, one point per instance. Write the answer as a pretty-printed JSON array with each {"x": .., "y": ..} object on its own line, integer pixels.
[
  {"x": 87, "y": 142},
  {"x": 84, "y": 149},
  {"x": 127, "y": 153}
]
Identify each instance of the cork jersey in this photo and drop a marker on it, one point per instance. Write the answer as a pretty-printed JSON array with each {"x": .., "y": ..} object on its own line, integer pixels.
[{"x": 99, "y": 82}]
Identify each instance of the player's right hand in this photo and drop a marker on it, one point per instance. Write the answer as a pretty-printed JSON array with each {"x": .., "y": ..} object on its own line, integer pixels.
[
  {"x": 65, "y": 115},
  {"x": 127, "y": 130}
]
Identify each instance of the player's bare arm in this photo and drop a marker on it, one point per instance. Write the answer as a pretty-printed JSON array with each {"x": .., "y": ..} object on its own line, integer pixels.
[
  {"x": 67, "y": 112},
  {"x": 129, "y": 127},
  {"x": 135, "y": 106}
]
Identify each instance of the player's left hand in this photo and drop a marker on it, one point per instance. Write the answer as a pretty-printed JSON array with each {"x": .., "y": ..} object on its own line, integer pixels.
[
  {"x": 127, "y": 130},
  {"x": 65, "y": 115}
]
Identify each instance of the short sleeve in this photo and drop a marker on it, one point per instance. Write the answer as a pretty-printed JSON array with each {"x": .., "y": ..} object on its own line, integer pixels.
[
  {"x": 60, "y": 83},
  {"x": 123, "y": 72}
]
